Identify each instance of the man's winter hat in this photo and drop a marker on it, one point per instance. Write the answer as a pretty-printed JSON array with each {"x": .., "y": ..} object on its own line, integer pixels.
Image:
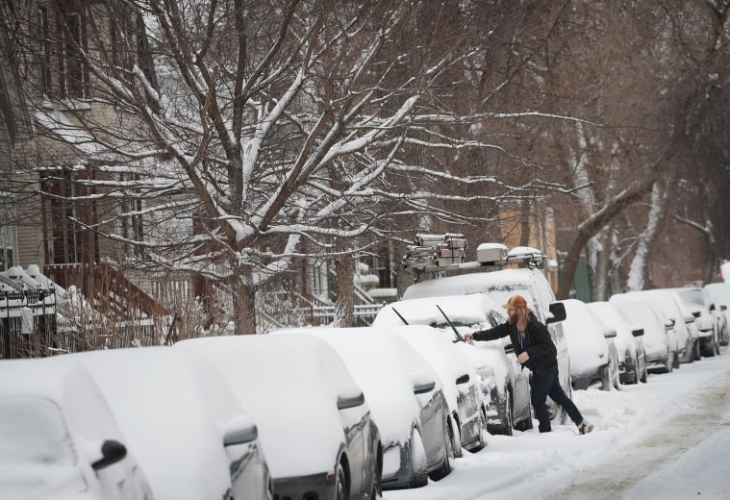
[{"x": 516, "y": 301}]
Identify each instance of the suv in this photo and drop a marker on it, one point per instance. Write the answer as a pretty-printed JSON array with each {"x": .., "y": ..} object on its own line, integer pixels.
[{"x": 499, "y": 286}]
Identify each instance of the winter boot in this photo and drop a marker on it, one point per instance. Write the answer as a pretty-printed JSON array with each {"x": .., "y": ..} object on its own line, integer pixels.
[{"x": 585, "y": 427}]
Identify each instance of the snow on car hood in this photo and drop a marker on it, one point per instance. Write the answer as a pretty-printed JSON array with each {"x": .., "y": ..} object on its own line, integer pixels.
[
  {"x": 289, "y": 384},
  {"x": 384, "y": 366},
  {"x": 587, "y": 346},
  {"x": 468, "y": 313},
  {"x": 448, "y": 362},
  {"x": 161, "y": 383}
]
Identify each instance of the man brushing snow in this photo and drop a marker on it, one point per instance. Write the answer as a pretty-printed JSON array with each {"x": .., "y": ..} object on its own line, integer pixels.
[{"x": 535, "y": 350}]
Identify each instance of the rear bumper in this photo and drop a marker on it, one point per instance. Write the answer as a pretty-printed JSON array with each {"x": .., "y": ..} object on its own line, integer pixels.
[{"x": 312, "y": 487}]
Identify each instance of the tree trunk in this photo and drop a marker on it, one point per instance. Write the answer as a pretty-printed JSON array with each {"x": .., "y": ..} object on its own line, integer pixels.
[
  {"x": 244, "y": 304},
  {"x": 345, "y": 305}
]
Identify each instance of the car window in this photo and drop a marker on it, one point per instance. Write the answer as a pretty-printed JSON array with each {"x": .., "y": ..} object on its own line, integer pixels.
[{"x": 33, "y": 431}]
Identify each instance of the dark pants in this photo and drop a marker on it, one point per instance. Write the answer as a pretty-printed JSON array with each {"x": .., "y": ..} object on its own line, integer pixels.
[{"x": 547, "y": 383}]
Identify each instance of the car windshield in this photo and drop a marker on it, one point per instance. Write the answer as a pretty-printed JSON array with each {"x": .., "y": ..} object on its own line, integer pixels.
[{"x": 33, "y": 431}]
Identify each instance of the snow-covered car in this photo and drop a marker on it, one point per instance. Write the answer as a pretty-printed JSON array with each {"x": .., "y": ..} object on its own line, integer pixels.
[
  {"x": 406, "y": 400},
  {"x": 683, "y": 320},
  {"x": 500, "y": 286},
  {"x": 509, "y": 396},
  {"x": 628, "y": 341},
  {"x": 593, "y": 355},
  {"x": 159, "y": 394},
  {"x": 707, "y": 326},
  {"x": 717, "y": 300},
  {"x": 462, "y": 390},
  {"x": 660, "y": 340},
  {"x": 314, "y": 423},
  {"x": 59, "y": 439}
]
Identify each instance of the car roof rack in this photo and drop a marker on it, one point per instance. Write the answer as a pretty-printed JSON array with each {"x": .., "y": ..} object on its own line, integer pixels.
[{"x": 437, "y": 253}]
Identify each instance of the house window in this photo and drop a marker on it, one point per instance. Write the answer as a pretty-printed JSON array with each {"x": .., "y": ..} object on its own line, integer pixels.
[
  {"x": 68, "y": 217},
  {"x": 131, "y": 218},
  {"x": 8, "y": 237},
  {"x": 44, "y": 27},
  {"x": 74, "y": 73}
]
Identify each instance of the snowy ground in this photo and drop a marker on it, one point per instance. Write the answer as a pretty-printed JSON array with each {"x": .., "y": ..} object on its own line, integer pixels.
[{"x": 669, "y": 439}]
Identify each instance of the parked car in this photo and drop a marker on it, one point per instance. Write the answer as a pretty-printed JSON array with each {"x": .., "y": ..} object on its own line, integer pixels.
[
  {"x": 499, "y": 286},
  {"x": 462, "y": 390},
  {"x": 314, "y": 423},
  {"x": 628, "y": 341},
  {"x": 593, "y": 355},
  {"x": 159, "y": 394},
  {"x": 688, "y": 347},
  {"x": 707, "y": 326},
  {"x": 717, "y": 299},
  {"x": 508, "y": 396},
  {"x": 59, "y": 438},
  {"x": 660, "y": 341},
  {"x": 406, "y": 399}
]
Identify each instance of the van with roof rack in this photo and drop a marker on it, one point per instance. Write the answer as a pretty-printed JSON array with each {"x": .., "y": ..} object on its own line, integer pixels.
[{"x": 489, "y": 276}]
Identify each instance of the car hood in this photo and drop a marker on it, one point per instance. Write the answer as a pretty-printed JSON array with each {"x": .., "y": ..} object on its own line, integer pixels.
[{"x": 50, "y": 482}]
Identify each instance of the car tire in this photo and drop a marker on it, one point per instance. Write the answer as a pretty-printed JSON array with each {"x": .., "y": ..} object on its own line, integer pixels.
[
  {"x": 342, "y": 490},
  {"x": 677, "y": 362},
  {"x": 456, "y": 428},
  {"x": 606, "y": 381},
  {"x": 509, "y": 415},
  {"x": 696, "y": 350},
  {"x": 377, "y": 491},
  {"x": 419, "y": 463},
  {"x": 449, "y": 459},
  {"x": 644, "y": 372}
]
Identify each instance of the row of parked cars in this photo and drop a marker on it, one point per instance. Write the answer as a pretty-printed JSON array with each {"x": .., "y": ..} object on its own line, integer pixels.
[{"x": 322, "y": 412}]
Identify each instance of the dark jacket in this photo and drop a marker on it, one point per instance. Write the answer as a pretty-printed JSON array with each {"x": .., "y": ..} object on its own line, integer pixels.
[{"x": 540, "y": 348}]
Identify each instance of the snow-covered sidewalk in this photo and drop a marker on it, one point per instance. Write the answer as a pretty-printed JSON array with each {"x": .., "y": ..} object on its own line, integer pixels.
[{"x": 652, "y": 441}]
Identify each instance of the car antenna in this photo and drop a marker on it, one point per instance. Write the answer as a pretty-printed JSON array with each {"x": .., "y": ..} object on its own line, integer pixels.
[
  {"x": 399, "y": 315},
  {"x": 458, "y": 335}
]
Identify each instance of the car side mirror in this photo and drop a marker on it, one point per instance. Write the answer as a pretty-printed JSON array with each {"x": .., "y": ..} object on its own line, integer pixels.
[
  {"x": 670, "y": 324},
  {"x": 696, "y": 314},
  {"x": 723, "y": 308},
  {"x": 345, "y": 402},
  {"x": 424, "y": 388},
  {"x": 509, "y": 348},
  {"x": 111, "y": 452},
  {"x": 463, "y": 379},
  {"x": 609, "y": 333},
  {"x": 638, "y": 332},
  {"x": 712, "y": 308},
  {"x": 557, "y": 313},
  {"x": 239, "y": 430}
]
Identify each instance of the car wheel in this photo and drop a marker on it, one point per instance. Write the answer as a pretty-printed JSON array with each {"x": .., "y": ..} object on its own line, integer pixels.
[
  {"x": 342, "y": 490},
  {"x": 606, "y": 378},
  {"x": 449, "y": 459},
  {"x": 696, "y": 350},
  {"x": 509, "y": 416},
  {"x": 677, "y": 362},
  {"x": 377, "y": 491},
  {"x": 456, "y": 428},
  {"x": 419, "y": 462},
  {"x": 644, "y": 372}
]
